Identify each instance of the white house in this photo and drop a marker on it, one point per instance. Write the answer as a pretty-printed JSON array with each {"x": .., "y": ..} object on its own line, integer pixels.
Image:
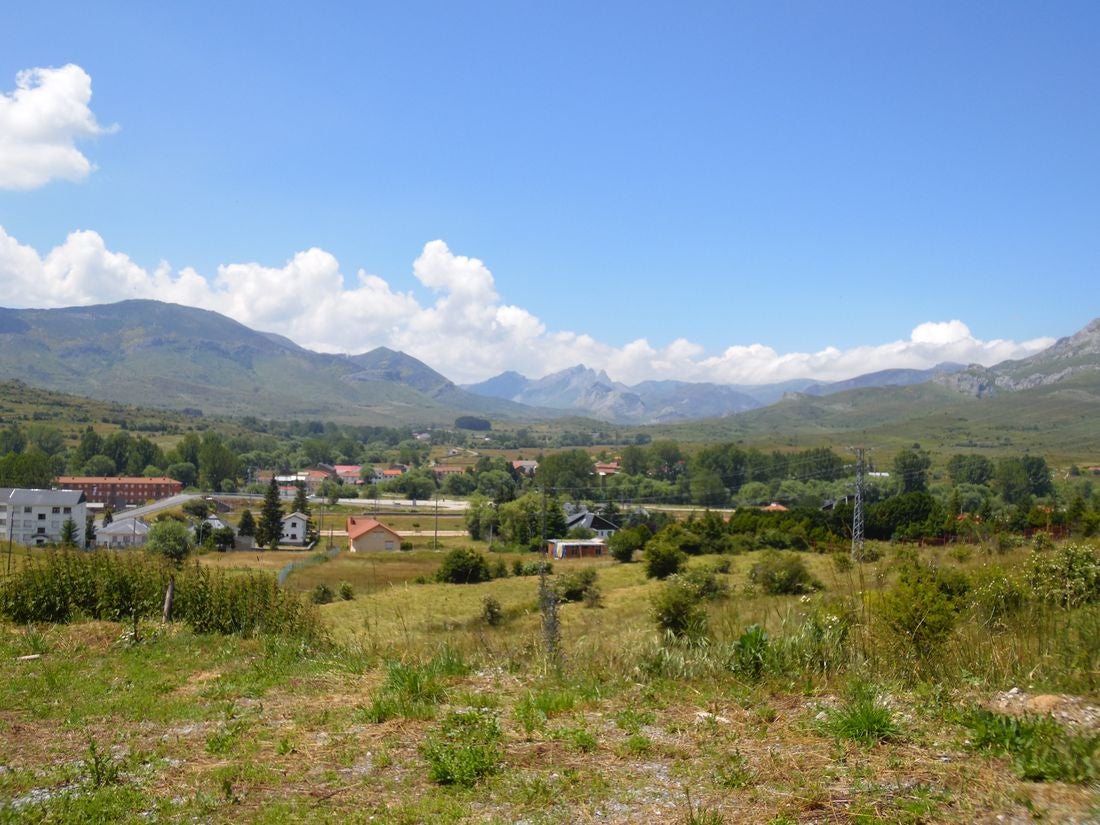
[
  {"x": 123, "y": 532},
  {"x": 34, "y": 517},
  {"x": 295, "y": 529}
]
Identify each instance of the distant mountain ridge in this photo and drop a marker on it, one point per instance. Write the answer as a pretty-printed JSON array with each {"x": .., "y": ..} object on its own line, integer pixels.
[
  {"x": 166, "y": 355},
  {"x": 1074, "y": 355},
  {"x": 589, "y": 392}
]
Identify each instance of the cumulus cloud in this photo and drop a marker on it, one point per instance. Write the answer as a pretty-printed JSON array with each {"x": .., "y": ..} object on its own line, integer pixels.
[
  {"x": 40, "y": 123},
  {"x": 466, "y": 332}
]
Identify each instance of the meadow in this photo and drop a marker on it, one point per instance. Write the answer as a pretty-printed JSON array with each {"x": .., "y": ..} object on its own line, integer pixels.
[{"x": 419, "y": 704}]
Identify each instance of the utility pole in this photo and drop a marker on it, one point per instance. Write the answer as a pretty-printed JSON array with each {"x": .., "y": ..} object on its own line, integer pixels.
[
  {"x": 435, "y": 546},
  {"x": 857, "y": 510}
]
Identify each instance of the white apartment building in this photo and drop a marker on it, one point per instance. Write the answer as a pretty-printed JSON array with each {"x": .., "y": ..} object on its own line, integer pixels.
[{"x": 34, "y": 517}]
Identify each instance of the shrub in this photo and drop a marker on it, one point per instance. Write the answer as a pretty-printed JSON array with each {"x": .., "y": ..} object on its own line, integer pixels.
[
  {"x": 662, "y": 559},
  {"x": 704, "y": 581},
  {"x": 1069, "y": 576},
  {"x": 575, "y": 585},
  {"x": 464, "y": 749},
  {"x": 64, "y": 586},
  {"x": 921, "y": 609},
  {"x": 406, "y": 545},
  {"x": 491, "y": 612},
  {"x": 347, "y": 593},
  {"x": 782, "y": 574},
  {"x": 321, "y": 594},
  {"x": 531, "y": 568},
  {"x": 678, "y": 609},
  {"x": 463, "y": 566},
  {"x": 749, "y": 654},
  {"x": 623, "y": 543}
]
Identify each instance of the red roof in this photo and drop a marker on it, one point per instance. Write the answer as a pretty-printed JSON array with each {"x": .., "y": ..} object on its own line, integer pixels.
[
  {"x": 361, "y": 526},
  {"x": 115, "y": 480}
]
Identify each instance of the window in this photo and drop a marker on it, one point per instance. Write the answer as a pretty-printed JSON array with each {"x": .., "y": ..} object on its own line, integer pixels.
[
  {"x": 41, "y": 516},
  {"x": 26, "y": 509},
  {"x": 41, "y": 531},
  {"x": 55, "y": 509},
  {"x": 67, "y": 510}
]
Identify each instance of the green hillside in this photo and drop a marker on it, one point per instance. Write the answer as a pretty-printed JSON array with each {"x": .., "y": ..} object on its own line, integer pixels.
[{"x": 163, "y": 355}]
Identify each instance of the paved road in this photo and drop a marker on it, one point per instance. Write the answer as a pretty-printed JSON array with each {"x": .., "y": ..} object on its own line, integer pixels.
[{"x": 155, "y": 507}]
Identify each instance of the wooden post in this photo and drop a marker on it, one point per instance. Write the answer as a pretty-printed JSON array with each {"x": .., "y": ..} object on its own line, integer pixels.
[{"x": 169, "y": 597}]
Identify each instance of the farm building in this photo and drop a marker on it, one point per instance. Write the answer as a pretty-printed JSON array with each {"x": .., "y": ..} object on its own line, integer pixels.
[{"x": 576, "y": 548}]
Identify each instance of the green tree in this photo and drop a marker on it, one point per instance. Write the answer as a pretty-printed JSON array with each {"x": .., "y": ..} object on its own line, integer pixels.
[
  {"x": 247, "y": 524},
  {"x": 46, "y": 438},
  {"x": 99, "y": 465},
  {"x": 521, "y": 521},
  {"x": 970, "y": 469},
  {"x": 216, "y": 462},
  {"x": 32, "y": 469},
  {"x": 184, "y": 472},
  {"x": 171, "y": 539},
  {"x": 90, "y": 444},
  {"x": 911, "y": 471},
  {"x": 270, "y": 527},
  {"x": 69, "y": 533},
  {"x": 12, "y": 440},
  {"x": 570, "y": 471}
]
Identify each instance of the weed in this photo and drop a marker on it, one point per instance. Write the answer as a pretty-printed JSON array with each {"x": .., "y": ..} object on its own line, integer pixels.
[
  {"x": 464, "y": 749},
  {"x": 1041, "y": 749},
  {"x": 750, "y": 653},
  {"x": 347, "y": 592},
  {"x": 734, "y": 772},
  {"x": 637, "y": 744},
  {"x": 862, "y": 717},
  {"x": 322, "y": 594},
  {"x": 632, "y": 721},
  {"x": 102, "y": 769},
  {"x": 535, "y": 707},
  {"x": 579, "y": 739}
]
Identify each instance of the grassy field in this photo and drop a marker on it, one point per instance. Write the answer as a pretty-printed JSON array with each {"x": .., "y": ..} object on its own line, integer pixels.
[{"x": 417, "y": 710}]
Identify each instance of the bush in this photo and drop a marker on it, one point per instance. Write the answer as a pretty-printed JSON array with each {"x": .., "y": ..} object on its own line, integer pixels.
[
  {"x": 921, "y": 609},
  {"x": 64, "y": 586},
  {"x": 623, "y": 543},
  {"x": 463, "y": 566},
  {"x": 782, "y": 574},
  {"x": 491, "y": 612},
  {"x": 464, "y": 749},
  {"x": 704, "y": 581},
  {"x": 575, "y": 585},
  {"x": 531, "y": 568},
  {"x": 662, "y": 559},
  {"x": 1069, "y": 576},
  {"x": 750, "y": 653},
  {"x": 347, "y": 593},
  {"x": 678, "y": 609},
  {"x": 321, "y": 594}
]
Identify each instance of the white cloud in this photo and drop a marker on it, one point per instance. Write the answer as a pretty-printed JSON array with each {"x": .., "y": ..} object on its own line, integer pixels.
[
  {"x": 466, "y": 333},
  {"x": 40, "y": 123}
]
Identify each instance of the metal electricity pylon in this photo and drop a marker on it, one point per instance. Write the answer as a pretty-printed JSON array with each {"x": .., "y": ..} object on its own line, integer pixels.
[{"x": 857, "y": 510}]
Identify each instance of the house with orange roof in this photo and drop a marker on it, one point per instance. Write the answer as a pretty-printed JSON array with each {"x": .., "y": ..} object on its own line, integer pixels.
[{"x": 367, "y": 534}]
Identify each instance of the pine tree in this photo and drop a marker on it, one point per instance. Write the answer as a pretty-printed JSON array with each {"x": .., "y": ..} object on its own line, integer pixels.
[
  {"x": 270, "y": 527},
  {"x": 247, "y": 525}
]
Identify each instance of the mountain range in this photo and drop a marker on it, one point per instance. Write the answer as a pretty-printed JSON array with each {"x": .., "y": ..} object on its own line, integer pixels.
[
  {"x": 584, "y": 391},
  {"x": 165, "y": 355}
]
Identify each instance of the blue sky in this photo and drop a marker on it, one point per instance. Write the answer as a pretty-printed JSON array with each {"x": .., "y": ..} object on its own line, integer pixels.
[{"x": 804, "y": 183}]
